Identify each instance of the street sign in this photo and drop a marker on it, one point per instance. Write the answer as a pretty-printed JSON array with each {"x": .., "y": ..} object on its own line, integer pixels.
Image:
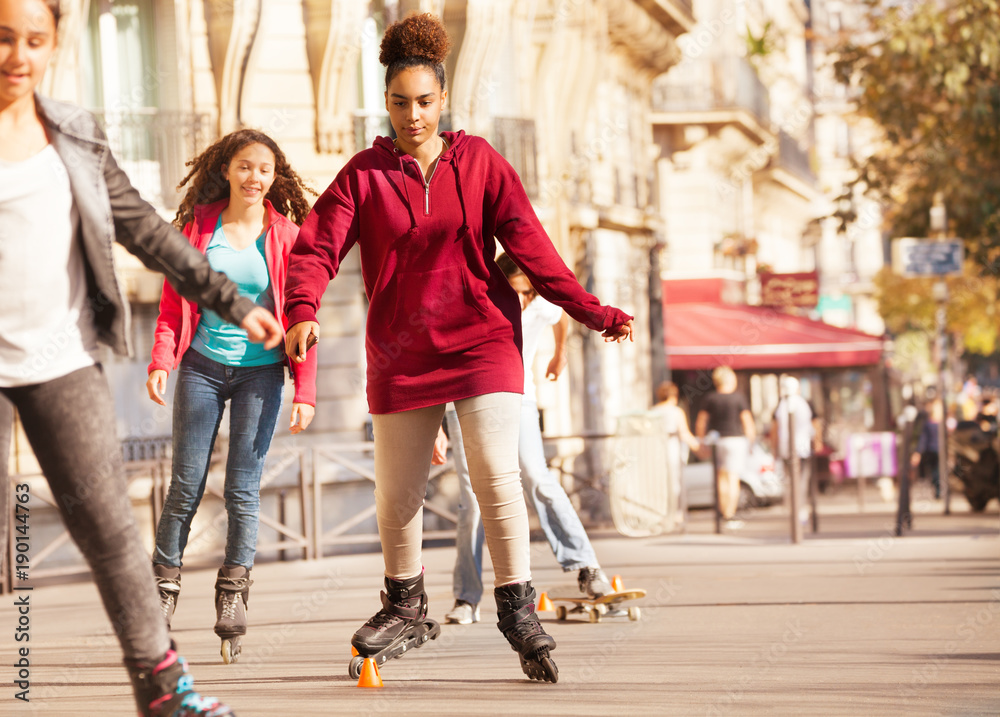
[{"x": 927, "y": 257}]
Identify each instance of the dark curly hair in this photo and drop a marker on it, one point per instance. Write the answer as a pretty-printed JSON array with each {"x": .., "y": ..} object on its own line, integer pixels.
[
  {"x": 207, "y": 185},
  {"x": 417, "y": 41}
]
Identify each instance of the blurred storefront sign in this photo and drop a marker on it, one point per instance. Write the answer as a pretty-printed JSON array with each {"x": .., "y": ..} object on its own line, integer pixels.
[{"x": 798, "y": 289}]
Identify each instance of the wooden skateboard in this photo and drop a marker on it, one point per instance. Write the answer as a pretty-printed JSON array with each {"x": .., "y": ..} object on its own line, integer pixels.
[{"x": 597, "y": 608}]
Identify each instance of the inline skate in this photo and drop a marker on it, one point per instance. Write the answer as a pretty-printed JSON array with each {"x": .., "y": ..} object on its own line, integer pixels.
[
  {"x": 232, "y": 595},
  {"x": 164, "y": 688},
  {"x": 168, "y": 584},
  {"x": 401, "y": 625},
  {"x": 527, "y": 637}
]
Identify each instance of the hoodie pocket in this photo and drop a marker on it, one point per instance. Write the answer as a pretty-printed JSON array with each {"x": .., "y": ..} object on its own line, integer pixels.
[{"x": 439, "y": 311}]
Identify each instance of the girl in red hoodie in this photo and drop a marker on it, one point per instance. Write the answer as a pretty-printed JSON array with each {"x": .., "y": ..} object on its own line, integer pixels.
[
  {"x": 240, "y": 211},
  {"x": 444, "y": 325}
]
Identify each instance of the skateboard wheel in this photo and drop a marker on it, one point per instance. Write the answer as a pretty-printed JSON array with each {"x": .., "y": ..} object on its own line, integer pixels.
[
  {"x": 354, "y": 668},
  {"x": 634, "y": 613},
  {"x": 560, "y": 612},
  {"x": 595, "y": 615}
]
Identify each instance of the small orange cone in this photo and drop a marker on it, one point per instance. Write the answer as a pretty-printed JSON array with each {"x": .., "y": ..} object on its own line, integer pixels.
[
  {"x": 616, "y": 584},
  {"x": 369, "y": 674},
  {"x": 544, "y": 604}
]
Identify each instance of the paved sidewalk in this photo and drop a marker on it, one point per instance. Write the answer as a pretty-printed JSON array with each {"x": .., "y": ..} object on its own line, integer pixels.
[{"x": 852, "y": 622}]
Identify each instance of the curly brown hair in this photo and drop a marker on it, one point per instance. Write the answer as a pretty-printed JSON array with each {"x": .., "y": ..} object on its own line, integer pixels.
[
  {"x": 207, "y": 184},
  {"x": 416, "y": 41}
]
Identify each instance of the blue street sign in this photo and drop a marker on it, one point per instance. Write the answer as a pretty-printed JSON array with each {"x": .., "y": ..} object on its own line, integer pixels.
[{"x": 927, "y": 257}]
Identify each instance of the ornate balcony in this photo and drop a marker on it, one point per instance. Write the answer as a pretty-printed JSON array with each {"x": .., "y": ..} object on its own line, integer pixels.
[
  {"x": 152, "y": 145},
  {"x": 713, "y": 91}
]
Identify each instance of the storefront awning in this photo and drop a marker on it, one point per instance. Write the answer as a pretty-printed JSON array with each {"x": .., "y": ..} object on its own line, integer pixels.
[{"x": 703, "y": 336}]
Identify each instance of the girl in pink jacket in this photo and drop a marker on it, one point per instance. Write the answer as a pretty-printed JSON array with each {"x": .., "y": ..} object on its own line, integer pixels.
[
  {"x": 240, "y": 210},
  {"x": 427, "y": 211}
]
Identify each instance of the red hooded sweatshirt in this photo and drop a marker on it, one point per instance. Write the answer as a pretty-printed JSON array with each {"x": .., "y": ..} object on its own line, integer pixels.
[
  {"x": 178, "y": 321},
  {"x": 443, "y": 322}
]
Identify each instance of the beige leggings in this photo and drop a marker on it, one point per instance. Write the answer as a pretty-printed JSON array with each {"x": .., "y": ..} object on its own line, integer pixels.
[{"x": 404, "y": 443}]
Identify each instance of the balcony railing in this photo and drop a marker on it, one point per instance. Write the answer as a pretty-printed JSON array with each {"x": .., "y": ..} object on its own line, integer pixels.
[
  {"x": 152, "y": 145},
  {"x": 514, "y": 138},
  {"x": 368, "y": 126},
  {"x": 726, "y": 83}
]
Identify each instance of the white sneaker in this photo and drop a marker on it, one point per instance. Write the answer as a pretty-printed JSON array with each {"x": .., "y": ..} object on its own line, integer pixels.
[
  {"x": 594, "y": 582},
  {"x": 462, "y": 614}
]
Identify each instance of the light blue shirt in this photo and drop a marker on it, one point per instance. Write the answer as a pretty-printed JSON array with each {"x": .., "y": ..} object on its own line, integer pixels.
[{"x": 219, "y": 340}]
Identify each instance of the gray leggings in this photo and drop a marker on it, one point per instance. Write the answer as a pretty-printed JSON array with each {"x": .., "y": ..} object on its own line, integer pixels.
[{"x": 70, "y": 423}]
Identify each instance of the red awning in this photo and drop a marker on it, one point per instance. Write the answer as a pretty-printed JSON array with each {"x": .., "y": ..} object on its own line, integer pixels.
[{"x": 703, "y": 336}]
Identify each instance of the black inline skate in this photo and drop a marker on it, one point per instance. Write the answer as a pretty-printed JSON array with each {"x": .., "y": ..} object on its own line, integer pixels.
[
  {"x": 527, "y": 637},
  {"x": 232, "y": 595},
  {"x": 164, "y": 688},
  {"x": 168, "y": 584},
  {"x": 401, "y": 625}
]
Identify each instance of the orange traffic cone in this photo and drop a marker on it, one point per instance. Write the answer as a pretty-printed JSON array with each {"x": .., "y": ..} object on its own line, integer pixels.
[
  {"x": 369, "y": 674},
  {"x": 354, "y": 651},
  {"x": 544, "y": 604},
  {"x": 616, "y": 584}
]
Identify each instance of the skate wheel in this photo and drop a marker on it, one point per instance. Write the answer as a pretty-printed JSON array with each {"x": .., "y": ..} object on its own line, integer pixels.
[
  {"x": 230, "y": 650},
  {"x": 560, "y": 612},
  {"x": 549, "y": 668},
  {"x": 634, "y": 613},
  {"x": 354, "y": 668},
  {"x": 595, "y": 615}
]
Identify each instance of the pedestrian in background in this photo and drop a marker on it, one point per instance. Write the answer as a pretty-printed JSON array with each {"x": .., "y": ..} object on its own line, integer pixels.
[
  {"x": 427, "y": 210},
  {"x": 240, "y": 210},
  {"x": 556, "y": 515},
  {"x": 727, "y": 413},
  {"x": 63, "y": 202},
  {"x": 925, "y": 454},
  {"x": 792, "y": 402},
  {"x": 680, "y": 440}
]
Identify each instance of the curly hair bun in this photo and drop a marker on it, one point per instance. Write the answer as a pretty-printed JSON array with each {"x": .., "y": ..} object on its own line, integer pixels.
[{"x": 420, "y": 36}]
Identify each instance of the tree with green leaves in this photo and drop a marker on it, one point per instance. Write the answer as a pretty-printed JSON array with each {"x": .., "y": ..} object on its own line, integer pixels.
[{"x": 928, "y": 74}]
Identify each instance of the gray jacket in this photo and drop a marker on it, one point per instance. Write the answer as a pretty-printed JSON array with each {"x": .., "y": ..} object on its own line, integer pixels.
[{"x": 111, "y": 209}]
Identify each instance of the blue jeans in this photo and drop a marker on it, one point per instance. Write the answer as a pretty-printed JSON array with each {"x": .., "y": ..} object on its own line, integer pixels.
[
  {"x": 558, "y": 518},
  {"x": 203, "y": 387}
]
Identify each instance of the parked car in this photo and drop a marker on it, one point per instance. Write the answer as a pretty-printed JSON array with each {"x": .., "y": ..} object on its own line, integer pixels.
[{"x": 761, "y": 484}]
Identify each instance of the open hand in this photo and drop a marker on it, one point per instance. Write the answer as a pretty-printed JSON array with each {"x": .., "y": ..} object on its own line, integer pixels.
[{"x": 156, "y": 386}]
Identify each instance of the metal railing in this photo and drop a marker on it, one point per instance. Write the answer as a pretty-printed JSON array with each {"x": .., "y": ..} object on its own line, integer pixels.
[
  {"x": 724, "y": 83},
  {"x": 629, "y": 469},
  {"x": 151, "y": 145},
  {"x": 514, "y": 138},
  {"x": 368, "y": 126}
]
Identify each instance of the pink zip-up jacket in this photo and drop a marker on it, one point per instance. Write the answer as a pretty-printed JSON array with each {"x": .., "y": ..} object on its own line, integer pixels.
[
  {"x": 178, "y": 321},
  {"x": 443, "y": 323}
]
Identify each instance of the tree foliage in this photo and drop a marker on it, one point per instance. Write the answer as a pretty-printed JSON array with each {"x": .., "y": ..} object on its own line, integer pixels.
[
  {"x": 972, "y": 314},
  {"x": 928, "y": 73}
]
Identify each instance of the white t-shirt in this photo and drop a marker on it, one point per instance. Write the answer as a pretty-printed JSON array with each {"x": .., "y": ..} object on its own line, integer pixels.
[
  {"x": 538, "y": 316},
  {"x": 46, "y": 328},
  {"x": 803, "y": 427}
]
